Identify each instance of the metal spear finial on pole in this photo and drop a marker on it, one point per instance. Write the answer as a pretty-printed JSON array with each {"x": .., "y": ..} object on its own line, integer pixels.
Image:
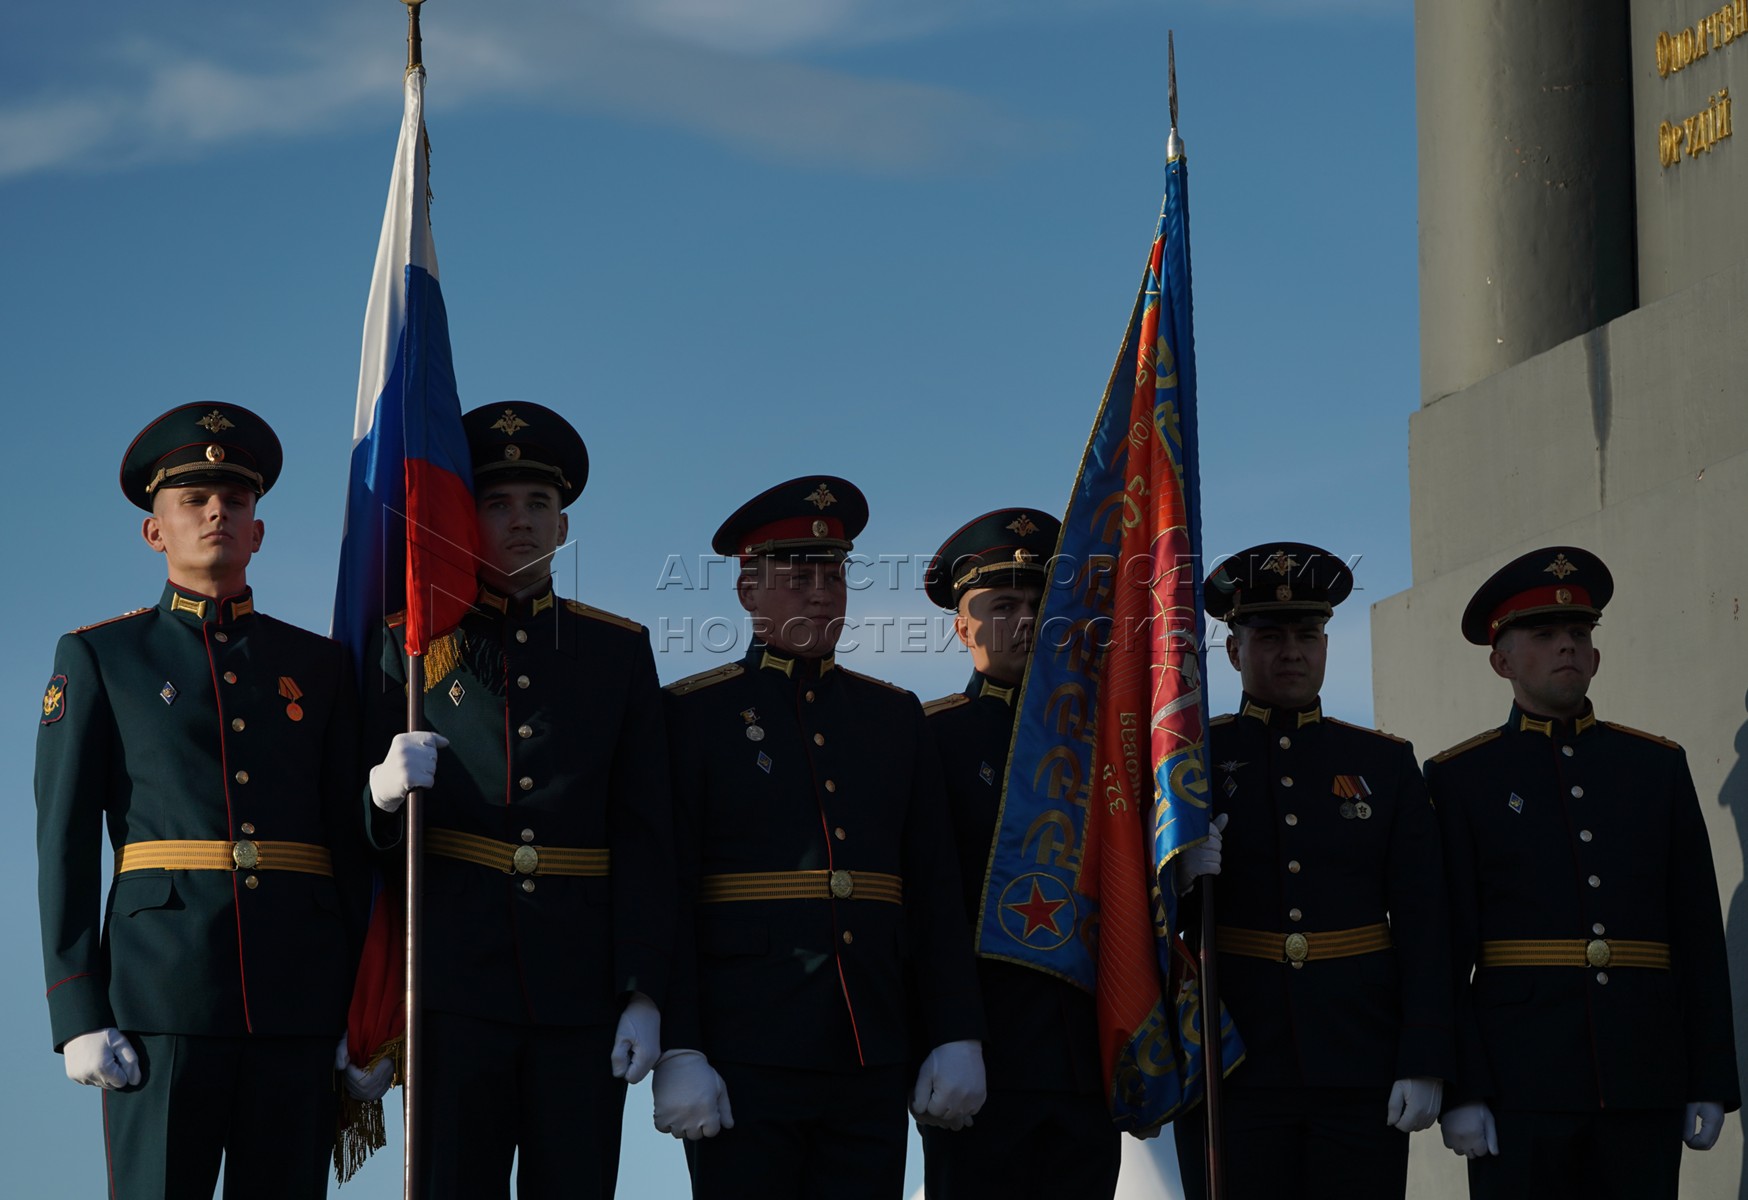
[
  {"x": 415, "y": 49},
  {"x": 1174, "y": 145}
]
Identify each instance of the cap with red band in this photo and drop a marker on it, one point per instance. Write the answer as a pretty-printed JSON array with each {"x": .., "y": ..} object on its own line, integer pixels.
[
  {"x": 810, "y": 517},
  {"x": 1550, "y": 584}
]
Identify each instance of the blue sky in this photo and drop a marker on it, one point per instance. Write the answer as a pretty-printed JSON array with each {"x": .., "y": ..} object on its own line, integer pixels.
[{"x": 735, "y": 241}]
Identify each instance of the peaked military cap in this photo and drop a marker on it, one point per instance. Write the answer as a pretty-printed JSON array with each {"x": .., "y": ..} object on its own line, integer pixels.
[
  {"x": 1553, "y": 583},
  {"x": 1276, "y": 579},
  {"x": 815, "y": 516},
  {"x": 1004, "y": 548},
  {"x": 526, "y": 443},
  {"x": 201, "y": 443}
]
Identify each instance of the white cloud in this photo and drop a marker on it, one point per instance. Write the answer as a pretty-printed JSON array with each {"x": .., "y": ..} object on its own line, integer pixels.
[{"x": 151, "y": 99}]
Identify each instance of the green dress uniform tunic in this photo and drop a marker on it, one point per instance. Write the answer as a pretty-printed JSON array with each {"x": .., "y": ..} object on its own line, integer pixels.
[
  {"x": 1593, "y": 996},
  {"x": 1333, "y": 951},
  {"x": 549, "y": 886},
  {"x": 1046, "y": 1128},
  {"x": 219, "y": 747},
  {"x": 823, "y": 927}
]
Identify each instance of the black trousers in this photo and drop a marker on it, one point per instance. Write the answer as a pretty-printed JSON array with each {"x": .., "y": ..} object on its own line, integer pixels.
[
  {"x": 1306, "y": 1143},
  {"x": 806, "y": 1135},
  {"x": 1048, "y": 1145},
  {"x": 1605, "y": 1154},
  {"x": 265, "y": 1106},
  {"x": 492, "y": 1089}
]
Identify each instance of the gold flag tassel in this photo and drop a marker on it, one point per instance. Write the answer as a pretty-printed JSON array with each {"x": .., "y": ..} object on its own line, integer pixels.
[
  {"x": 360, "y": 1130},
  {"x": 443, "y": 656}
]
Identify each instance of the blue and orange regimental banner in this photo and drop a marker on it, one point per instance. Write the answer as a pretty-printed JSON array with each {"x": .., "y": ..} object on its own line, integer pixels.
[{"x": 1107, "y": 780}]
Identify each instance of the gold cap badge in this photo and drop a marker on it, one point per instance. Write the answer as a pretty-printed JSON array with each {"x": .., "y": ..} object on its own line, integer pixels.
[
  {"x": 215, "y": 421},
  {"x": 1560, "y": 567},
  {"x": 821, "y": 498},
  {"x": 1022, "y": 525},
  {"x": 509, "y": 423}
]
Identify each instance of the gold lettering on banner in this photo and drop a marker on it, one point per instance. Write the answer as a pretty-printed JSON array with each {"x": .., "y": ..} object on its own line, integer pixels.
[
  {"x": 1053, "y": 831},
  {"x": 1679, "y": 50},
  {"x": 1698, "y": 134}
]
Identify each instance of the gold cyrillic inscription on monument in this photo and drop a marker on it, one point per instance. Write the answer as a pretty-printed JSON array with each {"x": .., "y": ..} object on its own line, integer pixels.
[
  {"x": 1697, "y": 134},
  {"x": 1677, "y": 50}
]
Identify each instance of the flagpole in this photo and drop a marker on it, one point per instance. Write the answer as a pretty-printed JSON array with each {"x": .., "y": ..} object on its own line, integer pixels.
[{"x": 412, "y": 1112}]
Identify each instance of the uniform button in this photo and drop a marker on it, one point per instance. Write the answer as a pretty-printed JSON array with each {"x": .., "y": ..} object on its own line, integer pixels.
[
  {"x": 1567, "y": 751},
  {"x": 242, "y": 777},
  {"x": 237, "y": 724},
  {"x": 848, "y": 937},
  {"x": 1595, "y": 881},
  {"x": 230, "y": 677},
  {"x": 221, "y": 636},
  {"x": 1286, "y": 781},
  {"x": 1584, "y": 835},
  {"x": 1295, "y": 914},
  {"x": 1602, "y": 977},
  {"x": 521, "y": 635},
  {"x": 1597, "y": 929},
  {"x": 1292, "y": 818},
  {"x": 247, "y": 827},
  {"x": 1577, "y": 793},
  {"x": 251, "y": 882},
  {"x": 1293, "y": 867},
  {"x": 526, "y": 731},
  {"x": 528, "y": 885},
  {"x": 839, "y": 833},
  {"x": 1286, "y": 742},
  {"x": 528, "y": 835},
  {"x": 831, "y": 785},
  {"x": 810, "y": 697},
  {"x": 525, "y": 783},
  {"x": 819, "y": 739},
  {"x": 521, "y": 681}
]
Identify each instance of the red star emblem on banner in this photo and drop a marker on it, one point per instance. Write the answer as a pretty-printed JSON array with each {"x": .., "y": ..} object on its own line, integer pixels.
[{"x": 1038, "y": 912}]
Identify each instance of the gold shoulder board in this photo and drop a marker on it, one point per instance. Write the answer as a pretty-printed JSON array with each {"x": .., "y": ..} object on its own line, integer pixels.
[
  {"x": 704, "y": 679},
  {"x": 396, "y": 620},
  {"x": 1649, "y": 737},
  {"x": 1480, "y": 739},
  {"x": 601, "y": 614},
  {"x": 1223, "y": 719},
  {"x": 124, "y": 616},
  {"x": 945, "y": 703},
  {"x": 1366, "y": 729}
]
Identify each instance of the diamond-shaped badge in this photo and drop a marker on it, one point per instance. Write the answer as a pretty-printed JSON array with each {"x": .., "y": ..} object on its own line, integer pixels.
[
  {"x": 764, "y": 762},
  {"x": 987, "y": 774},
  {"x": 456, "y": 692},
  {"x": 1515, "y": 804},
  {"x": 167, "y": 693}
]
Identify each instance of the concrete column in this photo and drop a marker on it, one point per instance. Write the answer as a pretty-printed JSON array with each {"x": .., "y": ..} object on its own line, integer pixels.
[{"x": 1526, "y": 180}]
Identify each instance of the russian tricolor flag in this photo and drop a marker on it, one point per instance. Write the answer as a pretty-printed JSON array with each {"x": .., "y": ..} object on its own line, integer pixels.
[{"x": 411, "y": 536}]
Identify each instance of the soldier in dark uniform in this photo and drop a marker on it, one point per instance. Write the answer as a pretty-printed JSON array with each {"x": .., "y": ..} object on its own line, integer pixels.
[
  {"x": 1594, "y": 1030},
  {"x": 219, "y": 746},
  {"x": 1331, "y": 921},
  {"x": 1046, "y": 1128},
  {"x": 549, "y": 909},
  {"x": 818, "y": 876}
]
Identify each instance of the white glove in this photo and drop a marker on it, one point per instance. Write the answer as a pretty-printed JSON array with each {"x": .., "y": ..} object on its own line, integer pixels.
[
  {"x": 1709, "y": 1115},
  {"x": 950, "y": 1086},
  {"x": 411, "y": 762},
  {"x": 1202, "y": 858},
  {"x": 637, "y": 1043},
  {"x": 691, "y": 1101},
  {"x": 1414, "y": 1103},
  {"x": 361, "y": 1084},
  {"x": 104, "y": 1058},
  {"x": 1468, "y": 1130}
]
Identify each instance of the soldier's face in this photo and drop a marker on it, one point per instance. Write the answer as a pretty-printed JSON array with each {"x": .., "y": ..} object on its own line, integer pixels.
[
  {"x": 797, "y": 607},
  {"x": 1280, "y": 662},
  {"x": 997, "y": 624},
  {"x": 206, "y": 532},
  {"x": 1550, "y": 666},
  {"x": 521, "y": 525}
]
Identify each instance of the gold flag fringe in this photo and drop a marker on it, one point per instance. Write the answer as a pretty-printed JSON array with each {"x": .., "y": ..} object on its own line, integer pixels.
[
  {"x": 360, "y": 1131},
  {"x": 442, "y": 656}
]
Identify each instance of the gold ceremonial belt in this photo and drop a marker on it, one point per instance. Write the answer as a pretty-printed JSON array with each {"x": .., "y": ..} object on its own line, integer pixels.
[
  {"x": 513, "y": 859},
  {"x": 1298, "y": 948},
  {"x": 801, "y": 885},
  {"x": 1575, "y": 952},
  {"x": 224, "y": 856}
]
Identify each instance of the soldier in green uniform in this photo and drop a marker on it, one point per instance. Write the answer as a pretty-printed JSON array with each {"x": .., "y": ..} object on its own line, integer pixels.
[
  {"x": 1331, "y": 921},
  {"x": 1594, "y": 1029},
  {"x": 826, "y": 940},
  {"x": 1046, "y": 1128},
  {"x": 219, "y": 747},
  {"x": 549, "y": 887}
]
